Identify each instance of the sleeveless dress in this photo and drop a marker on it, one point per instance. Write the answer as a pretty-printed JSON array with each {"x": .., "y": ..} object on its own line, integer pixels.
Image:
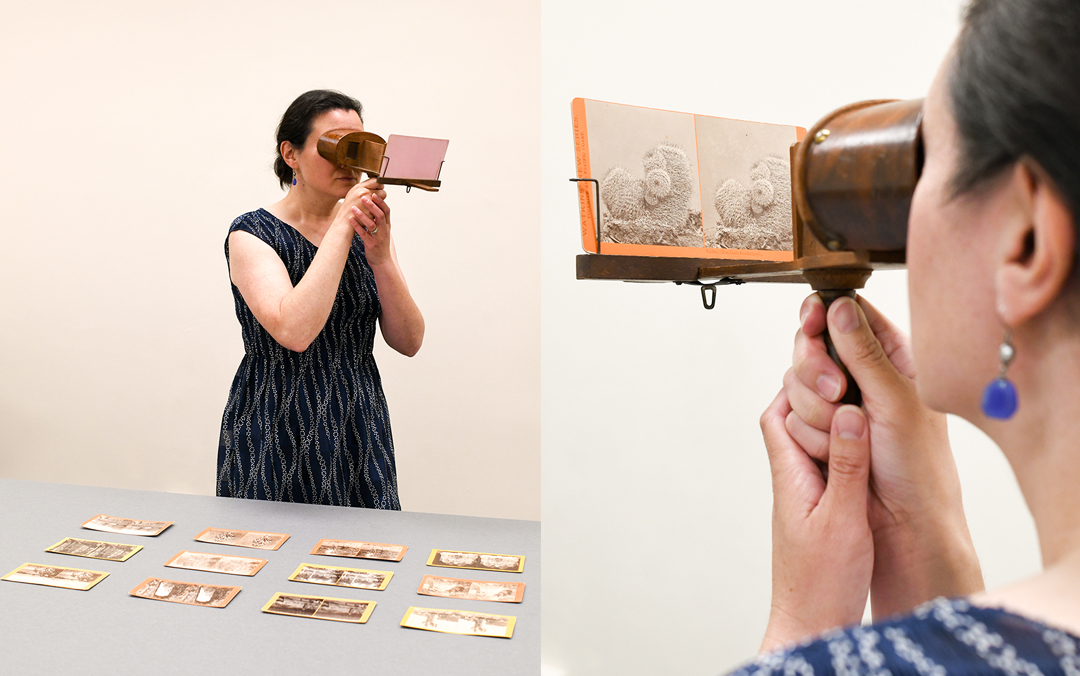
[
  {"x": 309, "y": 426},
  {"x": 942, "y": 637}
]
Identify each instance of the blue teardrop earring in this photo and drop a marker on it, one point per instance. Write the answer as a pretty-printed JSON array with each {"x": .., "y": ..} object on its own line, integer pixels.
[
  {"x": 999, "y": 398},
  {"x": 294, "y": 178}
]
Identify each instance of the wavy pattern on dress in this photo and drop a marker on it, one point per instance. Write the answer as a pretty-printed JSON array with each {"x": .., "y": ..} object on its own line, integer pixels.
[
  {"x": 941, "y": 637},
  {"x": 309, "y": 426}
]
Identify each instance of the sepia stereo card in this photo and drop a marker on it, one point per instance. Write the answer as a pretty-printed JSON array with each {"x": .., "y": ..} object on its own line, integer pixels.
[
  {"x": 354, "y": 578},
  {"x": 682, "y": 185},
  {"x": 208, "y": 595},
  {"x": 459, "y": 622},
  {"x": 216, "y": 563},
  {"x": 115, "y": 524},
  {"x": 471, "y": 590},
  {"x": 503, "y": 563},
  {"x": 242, "y": 538},
  {"x": 95, "y": 549},
  {"x": 360, "y": 550},
  {"x": 55, "y": 576},
  {"x": 320, "y": 607}
]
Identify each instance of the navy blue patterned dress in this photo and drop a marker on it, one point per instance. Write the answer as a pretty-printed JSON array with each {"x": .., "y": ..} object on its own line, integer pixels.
[
  {"x": 309, "y": 426},
  {"x": 942, "y": 637}
]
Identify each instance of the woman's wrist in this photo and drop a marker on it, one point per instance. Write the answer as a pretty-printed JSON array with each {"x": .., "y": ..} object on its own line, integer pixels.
[{"x": 920, "y": 559}]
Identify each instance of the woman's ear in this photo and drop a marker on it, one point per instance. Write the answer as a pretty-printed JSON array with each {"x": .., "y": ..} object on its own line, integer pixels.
[
  {"x": 289, "y": 153},
  {"x": 1038, "y": 245}
]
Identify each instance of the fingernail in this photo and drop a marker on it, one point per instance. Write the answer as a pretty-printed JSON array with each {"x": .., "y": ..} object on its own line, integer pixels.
[
  {"x": 850, "y": 423},
  {"x": 829, "y": 387},
  {"x": 846, "y": 317},
  {"x": 802, "y": 315}
]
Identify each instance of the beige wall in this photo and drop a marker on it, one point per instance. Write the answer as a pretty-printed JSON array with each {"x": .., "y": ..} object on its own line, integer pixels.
[{"x": 135, "y": 132}]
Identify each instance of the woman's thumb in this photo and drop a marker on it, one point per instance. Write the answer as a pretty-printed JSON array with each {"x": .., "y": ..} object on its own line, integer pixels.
[
  {"x": 859, "y": 349},
  {"x": 849, "y": 459}
]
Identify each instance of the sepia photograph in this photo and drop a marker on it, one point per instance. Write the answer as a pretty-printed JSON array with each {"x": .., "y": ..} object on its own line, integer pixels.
[
  {"x": 54, "y": 576},
  {"x": 646, "y": 162},
  {"x": 473, "y": 590},
  {"x": 213, "y": 596},
  {"x": 242, "y": 538},
  {"x": 319, "y": 607},
  {"x": 459, "y": 622},
  {"x": 342, "y": 577},
  {"x": 115, "y": 524},
  {"x": 95, "y": 549},
  {"x": 476, "y": 561},
  {"x": 746, "y": 183},
  {"x": 360, "y": 550},
  {"x": 344, "y": 610},
  {"x": 216, "y": 563}
]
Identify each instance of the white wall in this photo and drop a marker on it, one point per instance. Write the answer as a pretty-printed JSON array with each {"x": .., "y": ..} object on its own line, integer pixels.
[
  {"x": 134, "y": 132},
  {"x": 656, "y": 498}
]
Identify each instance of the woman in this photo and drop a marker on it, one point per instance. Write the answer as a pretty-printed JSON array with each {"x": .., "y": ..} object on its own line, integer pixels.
[
  {"x": 306, "y": 419},
  {"x": 994, "y": 295}
]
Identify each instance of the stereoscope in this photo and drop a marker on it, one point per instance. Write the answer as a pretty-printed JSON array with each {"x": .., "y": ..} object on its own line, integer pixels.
[
  {"x": 852, "y": 179},
  {"x": 411, "y": 161}
]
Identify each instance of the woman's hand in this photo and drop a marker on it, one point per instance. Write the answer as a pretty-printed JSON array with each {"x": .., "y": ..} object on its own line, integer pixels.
[
  {"x": 400, "y": 321},
  {"x": 823, "y": 549},
  {"x": 371, "y": 220},
  {"x": 922, "y": 545}
]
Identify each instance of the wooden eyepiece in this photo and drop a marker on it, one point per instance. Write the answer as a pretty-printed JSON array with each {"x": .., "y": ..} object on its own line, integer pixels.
[
  {"x": 855, "y": 172},
  {"x": 360, "y": 150}
]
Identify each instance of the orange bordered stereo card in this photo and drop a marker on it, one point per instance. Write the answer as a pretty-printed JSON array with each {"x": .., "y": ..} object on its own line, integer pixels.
[
  {"x": 682, "y": 185},
  {"x": 472, "y": 590},
  {"x": 242, "y": 538},
  {"x": 216, "y": 563},
  {"x": 209, "y": 595},
  {"x": 360, "y": 550}
]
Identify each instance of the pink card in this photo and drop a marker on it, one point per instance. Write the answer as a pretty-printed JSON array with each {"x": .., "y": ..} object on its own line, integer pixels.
[{"x": 413, "y": 157}]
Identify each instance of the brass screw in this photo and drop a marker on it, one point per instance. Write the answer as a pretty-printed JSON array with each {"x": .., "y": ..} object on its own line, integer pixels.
[
  {"x": 821, "y": 136},
  {"x": 833, "y": 245}
]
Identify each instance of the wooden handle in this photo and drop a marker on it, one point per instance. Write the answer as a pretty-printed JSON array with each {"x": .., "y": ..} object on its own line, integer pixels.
[{"x": 853, "y": 395}]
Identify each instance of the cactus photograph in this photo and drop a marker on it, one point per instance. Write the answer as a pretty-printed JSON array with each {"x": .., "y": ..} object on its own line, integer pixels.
[
  {"x": 646, "y": 162},
  {"x": 693, "y": 185},
  {"x": 746, "y": 179}
]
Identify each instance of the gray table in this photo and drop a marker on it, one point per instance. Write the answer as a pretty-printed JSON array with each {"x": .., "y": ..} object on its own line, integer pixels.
[{"x": 46, "y": 630}]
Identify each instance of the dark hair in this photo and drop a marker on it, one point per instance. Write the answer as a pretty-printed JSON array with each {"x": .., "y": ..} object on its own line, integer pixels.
[
  {"x": 296, "y": 123},
  {"x": 1015, "y": 90}
]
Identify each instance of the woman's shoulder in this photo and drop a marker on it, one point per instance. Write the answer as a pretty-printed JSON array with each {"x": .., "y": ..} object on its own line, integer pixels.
[
  {"x": 255, "y": 222},
  {"x": 940, "y": 637},
  {"x": 267, "y": 227}
]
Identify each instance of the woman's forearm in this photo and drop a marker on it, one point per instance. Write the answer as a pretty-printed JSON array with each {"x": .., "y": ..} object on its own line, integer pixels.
[
  {"x": 914, "y": 563},
  {"x": 400, "y": 320},
  {"x": 293, "y": 316},
  {"x": 303, "y": 310}
]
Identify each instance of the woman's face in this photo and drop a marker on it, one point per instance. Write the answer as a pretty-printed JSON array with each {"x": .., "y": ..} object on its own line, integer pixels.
[
  {"x": 318, "y": 173},
  {"x": 950, "y": 257}
]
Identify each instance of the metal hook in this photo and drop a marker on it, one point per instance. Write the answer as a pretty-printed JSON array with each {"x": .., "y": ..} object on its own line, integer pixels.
[
  {"x": 708, "y": 291},
  {"x": 708, "y": 296}
]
